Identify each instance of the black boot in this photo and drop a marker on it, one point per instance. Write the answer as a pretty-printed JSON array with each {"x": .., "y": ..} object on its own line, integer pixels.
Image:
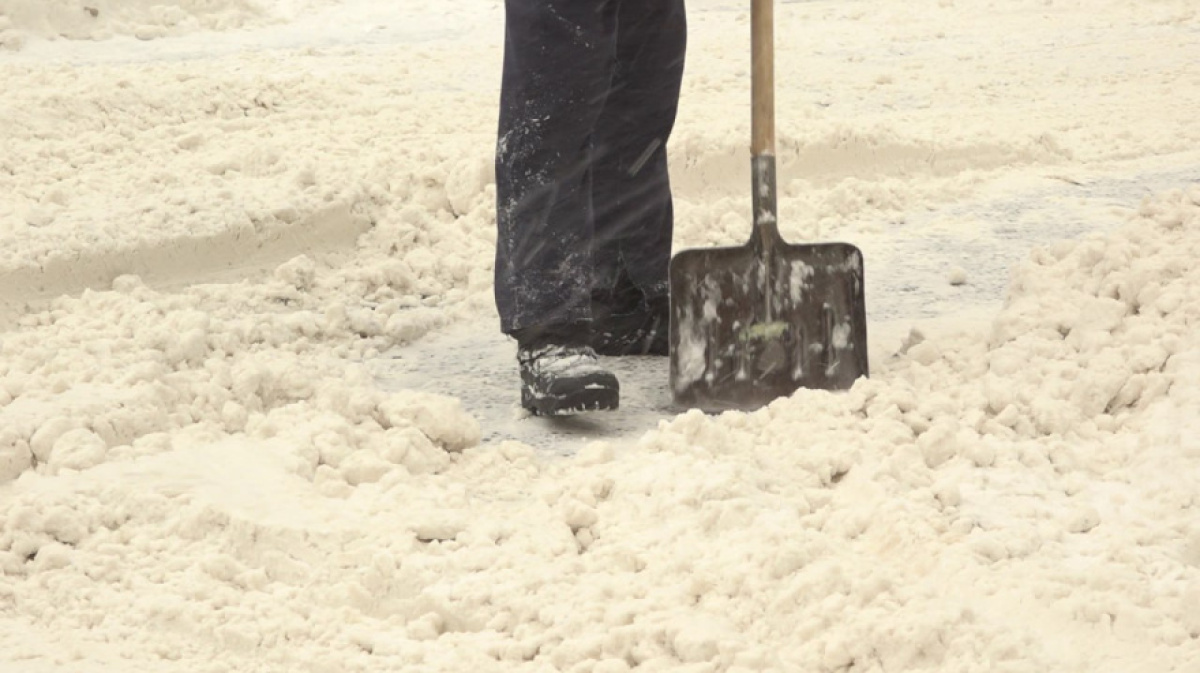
[
  {"x": 626, "y": 322},
  {"x": 560, "y": 374}
]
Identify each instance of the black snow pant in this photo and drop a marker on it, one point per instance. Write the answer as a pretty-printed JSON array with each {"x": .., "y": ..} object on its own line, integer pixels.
[{"x": 588, "y": 101}]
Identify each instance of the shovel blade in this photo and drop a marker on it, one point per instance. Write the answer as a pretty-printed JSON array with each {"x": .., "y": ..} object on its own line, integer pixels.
[{"x": 747, "y": 328}]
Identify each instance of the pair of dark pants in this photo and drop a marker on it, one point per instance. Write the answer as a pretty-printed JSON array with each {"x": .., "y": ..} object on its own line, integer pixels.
[{"x": 588, "y": 101}]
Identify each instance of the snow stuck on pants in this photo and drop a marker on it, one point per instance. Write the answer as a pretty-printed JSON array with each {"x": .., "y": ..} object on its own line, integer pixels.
[{"x": 204, "y": 260}]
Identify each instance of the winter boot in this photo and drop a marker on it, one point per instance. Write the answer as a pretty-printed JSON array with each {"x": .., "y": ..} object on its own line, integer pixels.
[
  {"x": 561, "y": 376},
  {"x": 625, "y": 322}
]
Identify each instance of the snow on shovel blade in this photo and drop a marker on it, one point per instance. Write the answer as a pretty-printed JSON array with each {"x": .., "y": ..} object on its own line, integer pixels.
[{"x": 749, "y": 327}]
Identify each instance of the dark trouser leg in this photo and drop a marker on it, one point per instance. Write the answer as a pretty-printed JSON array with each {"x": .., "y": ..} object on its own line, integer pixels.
[
  {"x": 631, "y": 190},
  {"x": 558, "y": 58}
]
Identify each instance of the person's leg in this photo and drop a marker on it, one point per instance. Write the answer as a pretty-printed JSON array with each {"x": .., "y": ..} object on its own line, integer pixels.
[
  {"x": 632, "y": 190},
  {"x": 558, "y": 58}
]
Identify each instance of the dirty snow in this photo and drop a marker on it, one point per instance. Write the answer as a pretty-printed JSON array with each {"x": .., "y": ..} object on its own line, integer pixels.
[{"x": 241, "y": 428}]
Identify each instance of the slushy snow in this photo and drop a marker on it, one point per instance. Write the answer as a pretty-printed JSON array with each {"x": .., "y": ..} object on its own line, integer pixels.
[{"x": 213, "y": 239}]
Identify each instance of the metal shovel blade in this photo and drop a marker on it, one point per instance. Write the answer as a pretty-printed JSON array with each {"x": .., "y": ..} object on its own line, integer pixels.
[{"x": 753, "y": 323}]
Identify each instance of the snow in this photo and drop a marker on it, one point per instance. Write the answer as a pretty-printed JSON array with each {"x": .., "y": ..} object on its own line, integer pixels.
[
  {"x": 238, "y": 240},
  {"x": 101, "y": 19}
]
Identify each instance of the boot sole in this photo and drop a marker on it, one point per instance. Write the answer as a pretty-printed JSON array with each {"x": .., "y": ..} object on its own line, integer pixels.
[{"x": 593, "y": 397}]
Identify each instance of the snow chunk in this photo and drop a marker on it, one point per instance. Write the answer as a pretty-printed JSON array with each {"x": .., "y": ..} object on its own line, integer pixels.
[
  {"x": 299, "y": 271},
  {"x": 77, "y": 449},
  {"x": 15, "y": 454},
  {"x": 43, "y": 440},
  {"x": 441, "y": 418}
]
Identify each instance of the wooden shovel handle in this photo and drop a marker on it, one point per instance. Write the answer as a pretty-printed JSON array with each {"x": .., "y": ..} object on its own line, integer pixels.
[{"x": 762, "y": 47}]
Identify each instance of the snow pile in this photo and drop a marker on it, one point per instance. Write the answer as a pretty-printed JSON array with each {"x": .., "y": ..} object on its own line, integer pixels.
[
  {"x": 914, "y": 517},
  {"x": 957, "y": 511},
  {"x": 194, "y": 173},
  {"x": 106, "y": 374}
]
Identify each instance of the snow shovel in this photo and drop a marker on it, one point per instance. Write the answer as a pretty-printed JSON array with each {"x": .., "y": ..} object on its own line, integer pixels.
[{"x": 753, "y": 323}]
